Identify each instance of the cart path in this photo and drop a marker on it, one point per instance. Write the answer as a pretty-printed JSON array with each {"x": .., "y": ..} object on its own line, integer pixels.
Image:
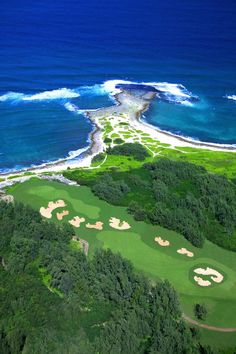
[{"x": 211, "y": 328}]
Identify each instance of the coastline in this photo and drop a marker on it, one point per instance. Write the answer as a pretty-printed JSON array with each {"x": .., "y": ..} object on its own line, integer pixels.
[
  {"x": 174, "y": 139},
  {"x": 134, "y": 108}
]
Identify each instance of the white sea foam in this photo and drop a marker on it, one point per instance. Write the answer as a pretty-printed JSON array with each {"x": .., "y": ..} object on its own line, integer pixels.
[
  {"x": 110, "y": 86},
  {"x": 187, "y": 103},
  {"x": 57, "y": 94},
  {"x": 76, "y": 153},
  {"x": 52, "y": 95},
  {"x": 11, "y": 96},
  {"x": 62, "y": 93},
  {"x": 95, "y": 90},
  {"x": 73, "y": 108},
  {"x": 231, "y": 97},
  {"x": 173, "y": 93}
]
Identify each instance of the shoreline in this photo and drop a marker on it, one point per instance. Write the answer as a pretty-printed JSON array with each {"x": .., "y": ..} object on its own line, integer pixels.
[
  {"x": 192, "y": 141},
  {"x": 135, "y": 119},
  {"x": 174, "y": 139}
]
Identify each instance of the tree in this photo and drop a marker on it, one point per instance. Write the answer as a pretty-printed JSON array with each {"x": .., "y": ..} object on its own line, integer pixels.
[
  {"x": 200, "y": 311},
  {"x": 108, "y": 189},
  {"x": 136, "y": 150}
]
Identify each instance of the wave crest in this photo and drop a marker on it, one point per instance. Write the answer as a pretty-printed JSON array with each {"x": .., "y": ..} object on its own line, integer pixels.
[
  {"x": 62, "y": 93},
  {"x": 231, "y": 97}
]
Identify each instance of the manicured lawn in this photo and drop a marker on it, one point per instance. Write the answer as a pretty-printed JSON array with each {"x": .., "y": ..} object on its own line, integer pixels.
[{"x": 137, "y": 244}]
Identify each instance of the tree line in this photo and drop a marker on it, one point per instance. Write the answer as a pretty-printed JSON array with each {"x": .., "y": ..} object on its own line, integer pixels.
[{"x": 180, "y": 196}]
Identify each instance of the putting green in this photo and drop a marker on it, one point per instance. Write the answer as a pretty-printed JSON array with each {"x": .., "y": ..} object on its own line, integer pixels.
[{"x": 137, "y": 244}]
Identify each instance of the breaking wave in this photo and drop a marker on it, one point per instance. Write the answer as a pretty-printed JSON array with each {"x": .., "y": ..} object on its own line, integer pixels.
[
  {"x": 165, "y": 91},
  {"x": 62, "y": 93},
  {"x": 231, "y": 97}
]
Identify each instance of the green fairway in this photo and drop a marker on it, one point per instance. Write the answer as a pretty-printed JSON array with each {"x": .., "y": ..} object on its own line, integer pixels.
[{"x": 137, "y": 244}]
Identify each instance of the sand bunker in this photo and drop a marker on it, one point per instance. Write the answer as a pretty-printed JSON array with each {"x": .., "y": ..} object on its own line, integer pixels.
[
  {"x": 98, "y": 225},
  {"x": 117, "y": 224},
  {"x": 216, "y": 276},
  {"x": 185, "y": 251},
  {"x": 161, "y": 242},
  {"x": 76, "y": 221},
  {"x": 61, "y": 215},
  {"x": 201, "y": 282},
  {"x": 47, "y": 212}
]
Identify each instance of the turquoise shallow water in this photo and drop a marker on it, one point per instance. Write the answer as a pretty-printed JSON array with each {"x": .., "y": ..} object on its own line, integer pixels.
[{"x": 54, "y": 54}]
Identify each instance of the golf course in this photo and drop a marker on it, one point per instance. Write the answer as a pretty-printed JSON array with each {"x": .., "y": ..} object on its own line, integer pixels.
[{"x": 154, "y": 251}]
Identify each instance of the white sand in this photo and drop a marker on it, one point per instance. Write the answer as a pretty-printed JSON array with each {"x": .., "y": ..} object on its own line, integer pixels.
[
  {"x": 61, "y": 215},
  {"x": 76, "y": 221},
  {"x": 98, "y": 225},
  {"x": 161, "y": 242},
  {"x": 47, "y": 212},
  {"x": 201, "y": 282},
  {"x": 216, "y": 276},
  {"x": 184, "y": 251},
  {"x": 118, "y": 225}
]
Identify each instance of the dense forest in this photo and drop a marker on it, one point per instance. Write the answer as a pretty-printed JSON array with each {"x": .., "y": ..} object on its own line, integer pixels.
[
  {"x": 55, "y": 300},
  {"x": 177, "y": 195}
]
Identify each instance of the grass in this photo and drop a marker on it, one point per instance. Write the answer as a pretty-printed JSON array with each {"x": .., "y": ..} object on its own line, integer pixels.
[
  {"x": 75, "y": 245},
  {"x": 137, "y": 244},
  {"x": 214, "y": 161}
]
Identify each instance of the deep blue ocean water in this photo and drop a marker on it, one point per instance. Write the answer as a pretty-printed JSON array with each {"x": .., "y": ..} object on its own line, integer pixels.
[{"x": 77, "y": 45}]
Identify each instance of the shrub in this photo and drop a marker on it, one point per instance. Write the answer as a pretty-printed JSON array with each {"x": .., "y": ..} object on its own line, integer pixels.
[
  {"x": 118, "y": 141},
  {"x": 200, "y": 311},
  {"x": 107, "y": 140},
  {"x": 136, "y": 150},
  {"x": 98, "y": 158}
]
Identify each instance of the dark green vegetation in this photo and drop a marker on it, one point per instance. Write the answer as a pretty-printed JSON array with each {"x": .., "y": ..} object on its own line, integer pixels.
[
  {"x": 200, "y": 311},
  {"x": 98, "y": 158},
  {"x": 136, "y": 150},
  {"x": 138, "y": 245},
  {"x": 177, "y": 195},
  {"x": 118, "y": 141},
  {"x": 108, "y": 189},
  {"x": 55, "y": 300}
]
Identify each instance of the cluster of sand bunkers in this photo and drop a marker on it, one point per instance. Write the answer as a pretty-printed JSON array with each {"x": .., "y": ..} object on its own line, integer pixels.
[
  {"x": 76, "y": 221},
  {"x": 166, "y": 243},
  {"x": 214, "y": 275},
  {"x": 117, "y": 224}
]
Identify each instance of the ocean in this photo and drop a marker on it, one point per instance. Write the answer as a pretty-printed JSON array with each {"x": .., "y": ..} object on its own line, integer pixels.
[{"x": 55, "y": 55}]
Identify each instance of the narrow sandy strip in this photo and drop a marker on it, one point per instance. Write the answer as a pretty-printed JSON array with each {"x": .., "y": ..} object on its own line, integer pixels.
[{"x": 211, "y": 328}]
